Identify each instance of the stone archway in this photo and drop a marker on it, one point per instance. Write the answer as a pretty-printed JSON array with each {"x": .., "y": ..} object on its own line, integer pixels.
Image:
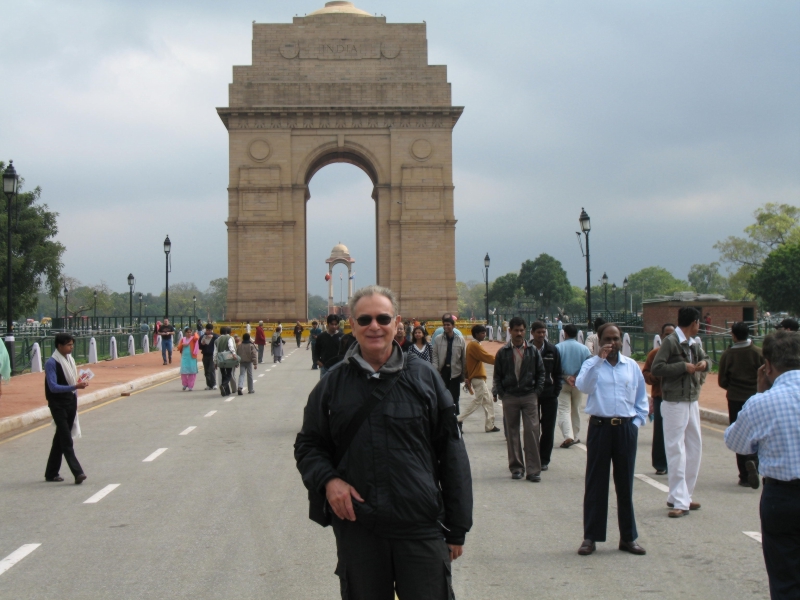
[{"x": 339, "y": 85}]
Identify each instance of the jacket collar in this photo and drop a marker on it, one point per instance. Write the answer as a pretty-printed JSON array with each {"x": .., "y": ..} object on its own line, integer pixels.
[{"x": 393, "y": 365}]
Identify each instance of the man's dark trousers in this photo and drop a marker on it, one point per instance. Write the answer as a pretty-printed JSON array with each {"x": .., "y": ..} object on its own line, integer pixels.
[
  {"x": 298, "y": 337},
  {"x": 607, "y": 444},
  {"x": 453, "y": 386},
  {"x": 659, "y": 452},
  {"x": 64, "y": 417},
  {"x": 741, "y": 459},
  {"x": 548, "y": 411},
  {"x": 371, "y": 567},
  {"x": 210, "y": 370},
  {"x": 780, "y": 536},
  {"x": 314, "y": 357}
]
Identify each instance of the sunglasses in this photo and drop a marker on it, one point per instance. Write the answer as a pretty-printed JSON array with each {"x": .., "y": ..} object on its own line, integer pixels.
[{"x": 365, "y": 320}]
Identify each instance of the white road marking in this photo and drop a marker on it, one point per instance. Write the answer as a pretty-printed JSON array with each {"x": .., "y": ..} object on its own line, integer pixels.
[
  {"x": 756, "y": 535},
  {"x": 102, "y": 494},
  {"x": 188, "y": 430},
  {"x": 653, "y": 482},
  {"x": 209, "y": 413},
  {"x": 16, "y": 556},
  {"x": 155, "y": 455},
  {"x": 581, "y": 446},
  {"x": 261, "y": 375}
]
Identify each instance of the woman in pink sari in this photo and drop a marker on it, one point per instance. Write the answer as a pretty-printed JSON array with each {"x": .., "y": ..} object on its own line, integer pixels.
[{"x": 188, "y": 348}]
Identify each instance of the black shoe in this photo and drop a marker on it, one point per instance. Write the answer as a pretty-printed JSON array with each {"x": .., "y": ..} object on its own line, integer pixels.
[
  {"x": 632, "y": 547},
  {"x": 744, "y": 483},
  {"x": 79, "y": 479},
  {"x": 56, "y": 478},
  {"x": 534, "y": 478},
  {"x": 517, "y": 475},
  {"x": 752, "y": 474},
  {"x": 240, "y": 392},
  {"x": 587, "y": 547},
  {"x": 493, "y": 430},
  {"x": 661, "y": 471},
  {"x": 545, "y": 467}
]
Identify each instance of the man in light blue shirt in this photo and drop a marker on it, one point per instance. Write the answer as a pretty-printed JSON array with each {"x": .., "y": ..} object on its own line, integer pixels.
[
  {"x": 573, "y": 354},
  {"x": 440, "y": 330},
  {"x": 768, "y": 426},
  {"x": 617, "y": 405}
]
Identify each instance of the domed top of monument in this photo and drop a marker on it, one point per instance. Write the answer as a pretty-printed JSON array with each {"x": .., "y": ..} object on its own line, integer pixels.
[
  {"x": 339, "y": 7},
  {"x": 340, "y": 253}
]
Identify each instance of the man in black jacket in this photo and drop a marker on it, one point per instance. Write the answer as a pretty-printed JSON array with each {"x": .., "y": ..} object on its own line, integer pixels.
[
  {"x": 548, "y": 399},
  {"x": 207, "y": 343},
  {"x": 519, "y": 380},
  {"x": 328, "y": 345},
  {"x": 401, "y": 497}
]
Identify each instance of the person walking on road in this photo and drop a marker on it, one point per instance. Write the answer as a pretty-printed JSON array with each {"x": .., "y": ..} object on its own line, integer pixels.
[
  {"x": 450, "y": 357},
  {"x": 592, "y": 341},
  {"x": 277, "y": 344},
  {"x": 572, "y": 354},
  {"x": 518, "y": 380},
  {"x": 188, "y": 349},
  {"x": 681, "y": 364},
  {"x": 659, "y": 452},
  {"x": 298, "y": 333},
  {"x": 328, "y": 345},
  {"x": 60, "y": 389},
  {"x": 420, "y": 345},
  {"x": 167, "y": 333},
  {"x": 400, "y": 337},
  {"x": 476, "y": 380},
  {"x": 399, "y": 517},
  {"x": 248, "y": 362},
  {"x": 767, "y": 426},
  {"x": 313, "y": 334},
  {"x": 225, "y": 343},
  {"x": 261, "y": 341},
  {"x": 617, "y": 405},
  {"x": 207, "y": 345},
  {"x": 738, "y": 375},
  {"x": 548, "y": 399}
]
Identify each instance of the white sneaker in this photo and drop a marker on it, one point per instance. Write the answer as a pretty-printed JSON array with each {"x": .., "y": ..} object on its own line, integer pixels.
[{"x": 213, "y": 388}]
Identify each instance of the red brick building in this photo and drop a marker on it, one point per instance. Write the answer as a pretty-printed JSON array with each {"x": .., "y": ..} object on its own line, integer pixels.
[{"x": 664, "y": 309}]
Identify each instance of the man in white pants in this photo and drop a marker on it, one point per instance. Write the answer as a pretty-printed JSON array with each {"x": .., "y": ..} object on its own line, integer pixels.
[
  {"x": 681, "y": 363},
  {"x": 475, "y": 381},
  {"x": 573, "y": 354}
]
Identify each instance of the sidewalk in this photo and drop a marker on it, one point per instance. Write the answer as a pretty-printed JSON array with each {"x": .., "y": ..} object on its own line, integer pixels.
[{"x": 23, "y": 402}]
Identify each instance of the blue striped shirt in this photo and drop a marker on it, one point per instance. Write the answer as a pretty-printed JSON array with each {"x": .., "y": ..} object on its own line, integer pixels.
[
  {"x": 573, "y": 354},
  {"x": 614, "y": 390},
  {"x": 769, "y": 425}
]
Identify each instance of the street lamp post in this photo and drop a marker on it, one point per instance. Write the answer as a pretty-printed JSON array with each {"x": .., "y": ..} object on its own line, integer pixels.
[
  {"x": 95, "y": 308},
  {"x": 10, "y": 183},
  {"x": 194, "y": 308},
  {"x": 167, "y": 250},
  {"x": 541, "y": 303},
  {"x": 625, "y": 308},
  {"x": 66, "y": 302},
  {"x": 140, "y": 307},
  {"x": 131, "y": 282},
  {"x": 604, "y": 281},
  {"x": 586, "y": 227},
  {"x": 486, "y": 261},
  {"x": 614, "y": 297}
]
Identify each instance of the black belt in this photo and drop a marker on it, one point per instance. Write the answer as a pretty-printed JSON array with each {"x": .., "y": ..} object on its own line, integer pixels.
[
  {"x": 790, "y": 483},
  {"x": 609, "y": 420}
]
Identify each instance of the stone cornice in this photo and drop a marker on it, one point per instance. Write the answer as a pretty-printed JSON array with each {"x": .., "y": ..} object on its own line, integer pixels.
[{"x": 339, "y": 117}]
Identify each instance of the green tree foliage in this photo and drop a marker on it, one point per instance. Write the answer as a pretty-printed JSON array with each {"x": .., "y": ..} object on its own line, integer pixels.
[
  {"x": 471, "y": 299},
  {"x": 777, "y": 281},
  {"x": 706, "y": 279},
  {"x": 545, "y": 276},
  {"x": 504, "y": 290},
  {"x": 317, "y": 306},
  {"x": 776, "y": 224},
  {"x": 576, "y": 302},
  {"x": 650, "y": 281},
  {"x": 216, "y": 297},
  {"x": 35, "y": 255}
]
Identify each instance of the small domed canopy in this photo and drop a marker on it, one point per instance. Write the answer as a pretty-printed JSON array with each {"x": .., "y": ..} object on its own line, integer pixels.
[
  {"x": 339, "y": 7},
  {"x": 340, "y": 253}
]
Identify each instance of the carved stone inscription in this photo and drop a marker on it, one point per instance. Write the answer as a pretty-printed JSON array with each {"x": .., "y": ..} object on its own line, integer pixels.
[{"x": 335, "y": 49}]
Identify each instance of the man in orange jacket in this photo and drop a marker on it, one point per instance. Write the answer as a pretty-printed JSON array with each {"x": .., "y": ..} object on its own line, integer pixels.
[{"x": 475, "y": 381}]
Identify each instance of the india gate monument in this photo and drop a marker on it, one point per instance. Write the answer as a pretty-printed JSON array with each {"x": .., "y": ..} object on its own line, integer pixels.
[{"x": 339, "y": 85}]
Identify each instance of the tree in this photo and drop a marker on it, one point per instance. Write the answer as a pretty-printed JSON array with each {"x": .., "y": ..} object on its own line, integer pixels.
[
  {"x": 471, "y": 299},
  {"x": 647, "y": 283},
  {"x": 317, "y": 306},
  {"x": 706, "y": 279},
  {"x": 35, "y": 256},
  {"x": 216, "y": 297},
  {"x": 776, "y": 224},
  {"x": 777, "y": 282},
  {"x": 504, "y": 289},
  {"x": 545, "y": 275}
]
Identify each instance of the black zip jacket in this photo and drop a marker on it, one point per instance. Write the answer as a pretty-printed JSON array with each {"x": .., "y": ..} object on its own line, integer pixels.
[
  {"x": 531, "y": 380},
  {"x": 408, "y": 460},
  {"x": 552, "y": 371}
]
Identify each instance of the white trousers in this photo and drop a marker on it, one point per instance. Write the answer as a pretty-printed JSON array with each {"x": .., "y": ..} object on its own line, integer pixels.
[
  {"x": 684, "y": 446},
  {"x": 481, "y": 399},
  {"x": 569, "y": 416}
]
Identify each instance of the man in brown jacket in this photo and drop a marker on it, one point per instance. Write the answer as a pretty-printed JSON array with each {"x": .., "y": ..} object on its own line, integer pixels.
[
  {"x": 658, "y": 454},
  {"x": 475, "y": 381},
  {"x": 738, "y": 374},
  {"x": 248, "y": 361}
]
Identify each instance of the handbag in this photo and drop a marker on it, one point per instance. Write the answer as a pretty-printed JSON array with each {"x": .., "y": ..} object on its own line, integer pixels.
[
  {"x": 225, "y": 359},
  {"x": 318, "y": 508}
]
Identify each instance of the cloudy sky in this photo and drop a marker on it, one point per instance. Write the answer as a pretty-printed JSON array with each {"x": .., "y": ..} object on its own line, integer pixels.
[{"x": 670, "y": 122}]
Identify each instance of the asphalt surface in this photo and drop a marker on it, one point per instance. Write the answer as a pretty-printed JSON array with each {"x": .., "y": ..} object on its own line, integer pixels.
[{"x": 222, "y": 513}]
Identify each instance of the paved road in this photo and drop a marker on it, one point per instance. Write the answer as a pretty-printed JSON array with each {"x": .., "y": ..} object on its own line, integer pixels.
[{"x": 221, "y": 514}]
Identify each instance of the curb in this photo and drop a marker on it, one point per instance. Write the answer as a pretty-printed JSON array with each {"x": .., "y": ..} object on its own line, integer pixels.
[
  {"x": 42, "y": 413},
  {"x": 714, "y": 416}
]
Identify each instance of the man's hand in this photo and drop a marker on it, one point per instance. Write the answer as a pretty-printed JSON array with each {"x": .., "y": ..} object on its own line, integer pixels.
[
  {"x": 605, "y": 351},
  {"x": 701, "y": 366},
  {"x": 468, "y": 386},
  {"x": 339, "y": 492},
  {"x": 763, "y": 383},
  {"x": 571, "y": 380},
  {"x": 255, "y": 367},
  {"x": 320, "y": 363},
  {"x": 81, "y": 384},
  {"x": 455, "y": 551},
  {"x": 690, "y": 368},
  {"x": 494, "y": 397}
]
